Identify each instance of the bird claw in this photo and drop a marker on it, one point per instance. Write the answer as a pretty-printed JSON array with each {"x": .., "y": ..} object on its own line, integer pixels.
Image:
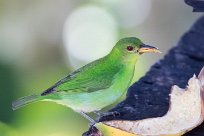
[
  {"x": 98, "y": 113},
  {"x": 107, "y": 114}
]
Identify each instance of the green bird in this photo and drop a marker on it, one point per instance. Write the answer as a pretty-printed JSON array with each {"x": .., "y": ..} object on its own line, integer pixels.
[{"x": 97, "y": 84}]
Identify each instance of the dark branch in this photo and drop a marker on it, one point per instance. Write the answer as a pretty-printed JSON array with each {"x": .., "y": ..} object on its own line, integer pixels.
[{"x": 198, "y": 5}]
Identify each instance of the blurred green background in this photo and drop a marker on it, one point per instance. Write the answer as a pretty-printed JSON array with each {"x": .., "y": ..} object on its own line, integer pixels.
[{"x": 43, "y": 40}]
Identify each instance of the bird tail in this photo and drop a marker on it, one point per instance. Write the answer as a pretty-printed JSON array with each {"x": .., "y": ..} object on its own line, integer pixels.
[{"x": 24, "y": 101}]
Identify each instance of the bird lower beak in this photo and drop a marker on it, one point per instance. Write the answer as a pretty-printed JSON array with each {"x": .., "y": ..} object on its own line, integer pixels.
[{"x": 147, "y": 48}]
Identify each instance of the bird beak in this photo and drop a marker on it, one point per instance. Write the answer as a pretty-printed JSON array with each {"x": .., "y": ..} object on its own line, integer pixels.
[{"x": 147, "y": 48}]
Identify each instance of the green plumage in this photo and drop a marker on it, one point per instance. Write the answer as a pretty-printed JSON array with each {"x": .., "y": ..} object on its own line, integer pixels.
[{"x": 97, "y": 84}]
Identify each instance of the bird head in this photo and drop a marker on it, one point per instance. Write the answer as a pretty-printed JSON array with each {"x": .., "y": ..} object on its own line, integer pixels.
[{"x": 132, "y": 47}]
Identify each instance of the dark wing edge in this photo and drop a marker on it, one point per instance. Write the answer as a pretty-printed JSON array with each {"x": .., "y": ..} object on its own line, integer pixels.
[{"x": 65, "y": 79}]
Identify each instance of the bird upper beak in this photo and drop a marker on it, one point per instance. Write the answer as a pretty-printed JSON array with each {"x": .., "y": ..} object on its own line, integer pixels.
[{"x": 147, "y": 48}]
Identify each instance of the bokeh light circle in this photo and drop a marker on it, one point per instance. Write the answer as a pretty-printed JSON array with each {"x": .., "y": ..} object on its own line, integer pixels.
[
  {"x": 90, "y": 32},
  {"x": 130, "y": 13}
]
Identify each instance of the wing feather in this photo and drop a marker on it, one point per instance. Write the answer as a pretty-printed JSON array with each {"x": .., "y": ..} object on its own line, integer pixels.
[{"x": 86, "y": 79}]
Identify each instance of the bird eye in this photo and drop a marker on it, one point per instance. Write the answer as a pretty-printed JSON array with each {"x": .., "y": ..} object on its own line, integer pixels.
[{"x": 130, "y": 48}]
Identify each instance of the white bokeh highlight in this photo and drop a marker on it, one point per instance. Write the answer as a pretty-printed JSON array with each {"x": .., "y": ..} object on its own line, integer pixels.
[
  {"x": 90, "y": 32},
  {"x": 130, "y": 13}
]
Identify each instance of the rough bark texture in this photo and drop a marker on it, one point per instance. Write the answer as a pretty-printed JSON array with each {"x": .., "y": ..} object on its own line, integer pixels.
[{"x": 149, "y": 97}]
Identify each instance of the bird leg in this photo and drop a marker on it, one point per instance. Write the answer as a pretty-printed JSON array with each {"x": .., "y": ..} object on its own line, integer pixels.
[{"x": 92, "y": 121}]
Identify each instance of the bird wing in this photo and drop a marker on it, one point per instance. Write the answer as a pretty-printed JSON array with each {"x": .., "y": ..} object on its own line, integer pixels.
[{"x": 90, "y": 78}]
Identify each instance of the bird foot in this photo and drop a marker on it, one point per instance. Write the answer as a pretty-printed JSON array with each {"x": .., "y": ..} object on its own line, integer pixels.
[
  {"x": 98, "y": 113},
  {"x": 106, "y": 114}
]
